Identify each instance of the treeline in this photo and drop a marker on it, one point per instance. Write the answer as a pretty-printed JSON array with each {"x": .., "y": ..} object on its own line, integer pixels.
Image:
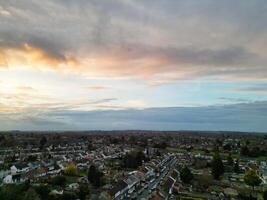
[
  {"x": 133, "y": 159},
  {"x": 252, "y": 152},
  {"x": 41, "y": 192}
]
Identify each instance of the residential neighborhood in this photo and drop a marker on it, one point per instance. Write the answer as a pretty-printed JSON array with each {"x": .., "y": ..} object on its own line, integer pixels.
[{"x": 133, "y": 165}]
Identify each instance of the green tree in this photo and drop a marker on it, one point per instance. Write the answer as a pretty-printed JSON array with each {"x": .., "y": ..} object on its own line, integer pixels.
[
  {"x": 186, "y": 175},
  {"x": 59, "y": 181},
  {"x": 68, "y": 196},
  {"x": 217, "y": 167},
  {"x": 205, "y": 181},
  {"x": 227, "y": 147},
  {"x": 140, "y": 157},
  {"x": 244, "y": 151},
  {"x": 230, "y": 160},
  {"x": 133, "y": 159},
  {"x": 43, "y": 191},
  {"x": 90, "y": 146},
  {"x": 95, "y": 176},
  {"x": 11, "y": 192},
  {"x": 83, "y": 191},
  {"x": 237, "y": 167},
  {"x": 43, "y": 141},
  {"x": 31, "y": 194},
  {"x": 265, "y": 195},
  {"x": 252, "y": 178}
]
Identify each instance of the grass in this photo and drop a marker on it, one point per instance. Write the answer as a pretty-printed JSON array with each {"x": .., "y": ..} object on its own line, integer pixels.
[
  {"x": 194, "y": 196},
  {"x": 71, "y": 179},
  {"x": 191, "y": 198},
  {"x": 176, "y": 150},
  {"x": 262, "y": 158}
]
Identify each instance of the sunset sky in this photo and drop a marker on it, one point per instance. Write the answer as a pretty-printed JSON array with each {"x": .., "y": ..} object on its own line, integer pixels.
[{"x": 133, "y": 64}]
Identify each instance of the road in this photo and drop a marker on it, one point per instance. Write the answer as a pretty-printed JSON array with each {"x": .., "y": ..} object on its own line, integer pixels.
[{"x": 156, "y": 183}]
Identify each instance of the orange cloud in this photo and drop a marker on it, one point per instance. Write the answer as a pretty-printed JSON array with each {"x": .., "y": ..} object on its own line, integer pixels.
[
  {"x": 28, "y": 56},
  {"x": 98, "y": 87},
  {"x": 25, "y": 89},
  {"x": 100, "y": 64},
  {"x": 155, "y": 64},
  {"x": 2, "y": 59},
  {"x": 120, "y": 64}
]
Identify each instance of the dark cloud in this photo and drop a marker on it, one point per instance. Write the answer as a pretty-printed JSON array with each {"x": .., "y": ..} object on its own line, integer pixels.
[
  {"x": 17, "y": 40},
  {"x": 234, "y": 100},
  {"x": 187, "y": 39},
  {"x": 257, "y": 88},
  {"x": 236, "y": 117}
]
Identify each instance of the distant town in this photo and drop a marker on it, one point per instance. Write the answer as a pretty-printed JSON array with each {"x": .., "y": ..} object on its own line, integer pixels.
[{"x": 185, "y": 165}]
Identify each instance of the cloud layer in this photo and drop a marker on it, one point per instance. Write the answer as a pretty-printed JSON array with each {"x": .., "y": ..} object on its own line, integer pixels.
[
  {"x": 60, "y": 60},
  {"x": 157, "y": 40},
  {"x": 237, "y": 117}
]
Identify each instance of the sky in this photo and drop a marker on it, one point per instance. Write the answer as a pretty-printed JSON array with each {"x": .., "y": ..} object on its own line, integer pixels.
[{"x": 133, "y": 64}]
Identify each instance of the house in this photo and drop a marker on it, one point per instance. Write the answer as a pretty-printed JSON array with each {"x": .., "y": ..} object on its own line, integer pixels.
[
  {"x": 175, "y": 174},
  {"x": 57, "y": 192},
  {"x": 34, "y": 165},
  {"x": 148, "y": 171},
  {"x": 17, "y": 178},
  {"x": 168, "y": 185},
  {"x": 8, "y": 179},
  {"x": 140, "y": 175},
  {"x": 41, "y": 171},
  {"x": 84, "y": 179},
  {"x": 118, "y": 191},
  {"x": 19, "y": 168},
  {"x": 131, "y": 182},
  {"x": 230, "y": 192},
  {"x": 73, "y": 186}
]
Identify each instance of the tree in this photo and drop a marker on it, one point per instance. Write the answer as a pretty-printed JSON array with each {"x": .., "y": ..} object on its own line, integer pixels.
[
  {"x": 83, "y": 191},
  {"x": 90, "y": 146},
  {"x": 161, "y": 145},
  {"x": 11, "y": 192},
  {"x": 252, "y": 178},
  {"x": 230, "y": 160},
  {"x": 43, "y": 191},
  {"x": 217, "y": 166},
  {"x": 31, "y": 195},
  {"x": 26, "y": 185},
  {"x": 205, "y": 180},
  {"x": 265, "y": 195},
  {"x": 252, "y": 152},
  {"x": 227, "y": 147},
  {"x": 244, "y": 151},
  {"x": 186, "y": 175},
  {"x": 71, "y": 169},
  {"x": 32, "y": 158},
  {"x": 236, "y": 167},
  {"x": 140, "y": 157},
  {"x": 43, "y": 141},
  {"x": 133, "y": 159},
  {"x": 95, "y": 176},
  {"x": 69, "y": 196},
  {"x": 59, "y": 180}
]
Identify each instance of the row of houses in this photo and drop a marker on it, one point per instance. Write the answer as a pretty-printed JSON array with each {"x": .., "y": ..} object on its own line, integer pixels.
[{"x": 136, "y": 180}]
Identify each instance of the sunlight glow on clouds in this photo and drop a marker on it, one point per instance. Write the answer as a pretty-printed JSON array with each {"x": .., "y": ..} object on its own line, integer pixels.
[
  {"x": 92, "y": 38},
  {"x": 89, "y": 55}
]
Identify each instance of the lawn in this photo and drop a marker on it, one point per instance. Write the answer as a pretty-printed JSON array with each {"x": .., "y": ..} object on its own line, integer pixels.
[{"x": 176, "y": 150}]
